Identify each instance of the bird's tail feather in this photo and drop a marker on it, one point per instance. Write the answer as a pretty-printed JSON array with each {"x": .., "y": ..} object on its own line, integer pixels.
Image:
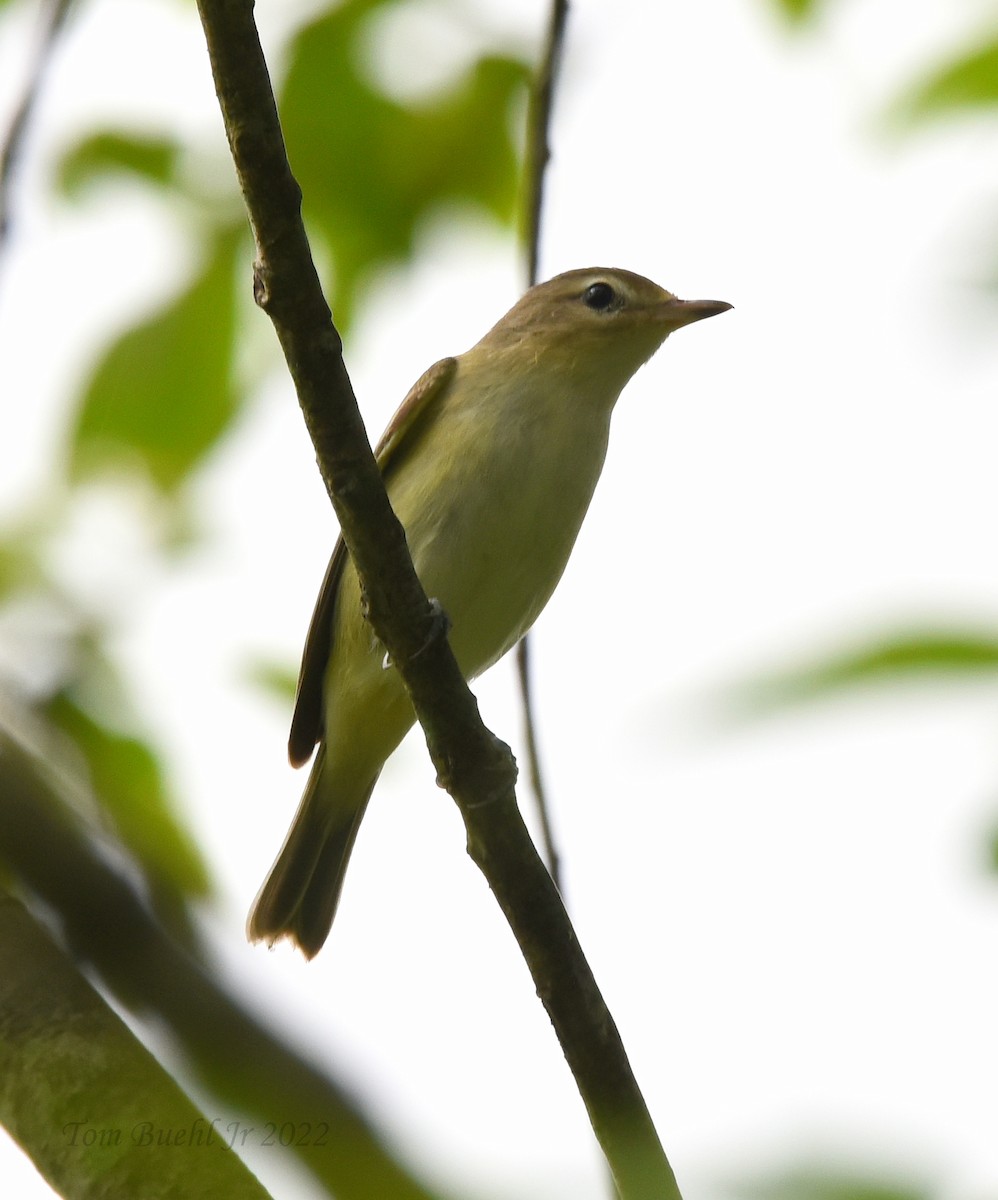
[{"x": 299, "y": 897}]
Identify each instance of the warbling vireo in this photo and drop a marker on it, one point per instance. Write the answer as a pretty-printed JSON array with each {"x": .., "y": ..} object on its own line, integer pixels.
[{"x": 490, "y": 464}]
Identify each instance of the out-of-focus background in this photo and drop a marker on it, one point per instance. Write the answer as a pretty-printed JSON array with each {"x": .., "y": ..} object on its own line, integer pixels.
[{"x": 766, "y": 686}]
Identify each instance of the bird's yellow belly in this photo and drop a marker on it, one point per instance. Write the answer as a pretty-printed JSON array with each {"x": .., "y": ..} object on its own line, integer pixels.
[
  {"x": 490, "y": 538},
  {"x": 493, "y": 559}
]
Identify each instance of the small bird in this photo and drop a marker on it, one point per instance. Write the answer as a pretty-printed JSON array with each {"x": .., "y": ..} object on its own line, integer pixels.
[{"x": 490, "y": 464}]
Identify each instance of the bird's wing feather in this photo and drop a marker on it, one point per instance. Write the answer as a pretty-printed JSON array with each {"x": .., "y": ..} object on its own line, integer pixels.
[
  {"x": 427, "y": 389},
  {"x": 308, "y": 721}
]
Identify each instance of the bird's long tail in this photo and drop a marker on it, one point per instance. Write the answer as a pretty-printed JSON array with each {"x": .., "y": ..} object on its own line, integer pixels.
[{"x": 299, "y": 897}]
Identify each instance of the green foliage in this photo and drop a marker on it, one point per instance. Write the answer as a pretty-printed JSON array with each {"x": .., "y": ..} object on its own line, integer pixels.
[
  {"x": 164, "y": 392},
  {"x": 371, "y": 169},
  {"x": 903, "y": 656},
  {"x": 927, "y": 655},
  {"x": 277, "y": 680},
  {"x": 152, "y": 159},
  {"x": 968, "y": 82},
  {"x": 126, "y": 777},
  {"x": 817, "y": 1183},
  {"x": 86, "y": 703},
  {"x": 19, "y": 568},
  {"x": 797, "y": 11},
  {"x": 166, "y": 389}
]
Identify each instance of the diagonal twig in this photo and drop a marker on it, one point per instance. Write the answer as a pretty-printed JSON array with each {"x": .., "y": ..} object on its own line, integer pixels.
[
  {"x": 538, "y": 154},
  {"x": 56, "y": 12},
  {"x": 538, "y": 150}
]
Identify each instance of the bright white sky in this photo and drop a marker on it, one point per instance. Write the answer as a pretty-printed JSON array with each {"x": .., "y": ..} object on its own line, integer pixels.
[{"x": 791, "y": 920}]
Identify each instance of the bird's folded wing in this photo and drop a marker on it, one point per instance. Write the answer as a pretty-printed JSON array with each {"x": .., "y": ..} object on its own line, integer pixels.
[{"x": 308, "y": 721}]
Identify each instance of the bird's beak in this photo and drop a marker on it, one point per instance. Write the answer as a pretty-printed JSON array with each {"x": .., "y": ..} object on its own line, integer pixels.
[{"x": 676, "y": 313}]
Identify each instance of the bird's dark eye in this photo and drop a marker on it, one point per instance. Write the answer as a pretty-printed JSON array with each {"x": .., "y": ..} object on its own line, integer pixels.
[{"x": 599, "y": 296}]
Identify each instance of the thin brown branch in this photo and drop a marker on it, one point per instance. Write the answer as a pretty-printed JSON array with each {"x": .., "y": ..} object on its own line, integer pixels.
[
  {"x": 535, "y": 772},
  {"x": 471, "y": 762},
  {"x": 53, "y": 20},
  {"x": 538, "y": 155},
  {"x": 538, "y": 150}
]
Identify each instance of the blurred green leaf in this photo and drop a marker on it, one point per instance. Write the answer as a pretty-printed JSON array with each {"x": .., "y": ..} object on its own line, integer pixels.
[
  {"x": 993, "y": 850},
  {"x": 108, "y": 153},
  {"x": 371, "y": 169},
  {"x": 797, "y": 11},
  {"x": 820, "y": 1183},
  {"x": 969, "y": 82},
  {"x": 904, "y": 656},
  {"x": 277, "y": 679},
  {"x": 128, "y": 783},
  {"x": 19, "y": 567},
  {"x": 164, "y": 394}
]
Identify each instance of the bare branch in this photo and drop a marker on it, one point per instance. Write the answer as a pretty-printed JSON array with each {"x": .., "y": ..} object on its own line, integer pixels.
[
  {"x": 537, "y": 157},
  {"x": 538, "y": 134},
  {"x": 54, "y": 18},
  {"x": 535, "y": 772}
]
